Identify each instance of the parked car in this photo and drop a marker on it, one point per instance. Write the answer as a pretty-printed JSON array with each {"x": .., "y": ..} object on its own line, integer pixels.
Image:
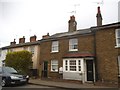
[{"x": 10, "y": 76}]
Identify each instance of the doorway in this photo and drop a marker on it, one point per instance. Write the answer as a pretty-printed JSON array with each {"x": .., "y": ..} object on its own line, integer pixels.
[
  {"x": 89, "y": 68},
  {"x": 45, "y": 69}
]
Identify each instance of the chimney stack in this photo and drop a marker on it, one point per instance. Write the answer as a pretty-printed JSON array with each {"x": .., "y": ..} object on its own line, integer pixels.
[
  {"x": 45, "y": 36},
  {"x": 22, "y": 40},
  {"x": 99, "y": 17},
  {"x": 33, "y": 38},
  {"x": 13, "y": 43},
  {"x": 72, "y": 24}
]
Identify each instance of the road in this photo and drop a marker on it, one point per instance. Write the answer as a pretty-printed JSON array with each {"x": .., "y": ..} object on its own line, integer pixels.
[{"x": 30, "y": 87}]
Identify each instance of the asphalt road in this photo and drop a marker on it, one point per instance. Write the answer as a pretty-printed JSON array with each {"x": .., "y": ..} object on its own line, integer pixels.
[{"x": 30, "y": 87}]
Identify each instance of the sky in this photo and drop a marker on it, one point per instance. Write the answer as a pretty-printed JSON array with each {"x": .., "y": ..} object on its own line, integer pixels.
[{"x": 20, "y": 18}]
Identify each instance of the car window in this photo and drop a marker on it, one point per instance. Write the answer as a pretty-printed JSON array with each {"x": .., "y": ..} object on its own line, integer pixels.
[{"x": 9, "y": 70}]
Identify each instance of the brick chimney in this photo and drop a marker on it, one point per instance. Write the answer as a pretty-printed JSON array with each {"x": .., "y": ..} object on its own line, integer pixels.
[
  {"x": 13, "y": 43},
  {"x": 33, "y": 38},
  {"x": 99, "y": 17},
  {"x": 22, "y": 40},
  {"x": 72, "y": 24},
  {"x": 45, "y": 36}
]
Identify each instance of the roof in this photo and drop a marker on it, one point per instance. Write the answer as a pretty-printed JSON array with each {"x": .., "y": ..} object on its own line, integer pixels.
[
  {"x": 112, "y": 25},
  {"x": 67, "y": 34},
  {"x": 22, "y": 44},
  {"x": 78, "y": 54}
]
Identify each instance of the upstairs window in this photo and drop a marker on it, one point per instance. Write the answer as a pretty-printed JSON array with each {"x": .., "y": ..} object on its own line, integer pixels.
[
  {"x": 32, "y": 49},
  {"x": 118, "y": 37},
  {"x": 55, "y": 46},
  {"x": 73, "y": 45}
]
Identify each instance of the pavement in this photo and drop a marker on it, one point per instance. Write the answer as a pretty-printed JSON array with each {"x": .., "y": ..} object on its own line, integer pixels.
[{"x": 65, "y": 85}]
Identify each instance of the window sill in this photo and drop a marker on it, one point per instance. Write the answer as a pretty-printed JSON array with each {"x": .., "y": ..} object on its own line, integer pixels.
[
  {"x": 117, "y": 46},
  {"x": 54, "y": 51},
  {"x": 54, "y": 71},
  {"x": 73, "y": 50}
]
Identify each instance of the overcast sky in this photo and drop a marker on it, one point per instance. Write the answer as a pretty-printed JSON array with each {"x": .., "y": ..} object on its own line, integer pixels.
[{"x": 20, "y": 18}]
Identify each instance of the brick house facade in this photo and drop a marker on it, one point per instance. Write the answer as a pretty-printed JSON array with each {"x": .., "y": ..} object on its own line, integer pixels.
[
  {"x": 107, "y": 52},
  {"x": 87, "y": 55}
]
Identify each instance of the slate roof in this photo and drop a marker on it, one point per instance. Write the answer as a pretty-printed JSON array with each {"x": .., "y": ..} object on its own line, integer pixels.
[
  {"x": 21, "y": 44},
  {"x": 67, "y": 34}
]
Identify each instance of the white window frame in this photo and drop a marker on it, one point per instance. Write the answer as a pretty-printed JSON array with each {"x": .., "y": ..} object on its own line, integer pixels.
[
  {"x": 117, "y": 37},
  {"x": 32, "y": 49},
  {"x": 72, "y": 66},
  {"x": 54, "y": 64},
  {"x": 55, "y": 46},
  {"x": 73, "y": 43},
  {"x": 68, "y": 65}
]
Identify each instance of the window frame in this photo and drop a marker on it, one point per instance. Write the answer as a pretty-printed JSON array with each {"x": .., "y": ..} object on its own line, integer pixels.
[
  {"x": 32, "y": 49},
  {"x": 73, "y": 45},
  {"x": 68, "y": 65},
  {"x": 117, "y": 37},
  {"x": 52, "y": 64},
  {"x": 55, "y": 46}
]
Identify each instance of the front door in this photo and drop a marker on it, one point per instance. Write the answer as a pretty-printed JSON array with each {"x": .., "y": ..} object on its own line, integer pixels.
[
  {"x": 45, "y": 68},
  {"x": 89, "y": 67}
]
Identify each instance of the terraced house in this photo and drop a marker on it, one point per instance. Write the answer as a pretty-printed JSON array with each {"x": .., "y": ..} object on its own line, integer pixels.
[
  {"x": 87, "y": 55},
  {"x": 32, "y": 46}
]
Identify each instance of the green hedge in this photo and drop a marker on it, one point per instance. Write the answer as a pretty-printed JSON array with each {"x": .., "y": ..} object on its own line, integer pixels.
[{"x": 20, "y": 60}]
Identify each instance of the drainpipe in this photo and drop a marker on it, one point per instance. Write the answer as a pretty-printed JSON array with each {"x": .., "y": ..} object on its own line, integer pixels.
[{"x": 95, "y": 57}]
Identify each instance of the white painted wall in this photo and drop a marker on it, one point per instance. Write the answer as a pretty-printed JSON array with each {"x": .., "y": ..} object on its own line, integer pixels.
[
  {"x": 74, "y": 75},
  {"x": 3, "y": 56}
]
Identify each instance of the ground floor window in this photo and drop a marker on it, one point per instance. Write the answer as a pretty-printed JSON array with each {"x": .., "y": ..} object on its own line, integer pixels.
[
  {"x": 54, "y": 65},
  {"x": 72, "y": 65}
]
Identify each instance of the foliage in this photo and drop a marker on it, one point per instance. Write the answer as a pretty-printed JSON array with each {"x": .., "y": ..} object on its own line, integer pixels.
[{"x": 20, "y": 60}]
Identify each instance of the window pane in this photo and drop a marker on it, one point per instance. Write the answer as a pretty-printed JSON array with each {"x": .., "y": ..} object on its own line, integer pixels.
[
  {"x": 73, "y": 62},
  {"x": 66, "y": 68},
  {"x": 54, "y": 65},
  {"x": 79, "y": 68},
  {"x": 73, "y": 44},
  {"x": 55, "y": 62},
  {"x": 72, "y": 68},
  {"x": 55, "y": 46},
  {"x": 118, "y": 40},
  {"x": 118, "y": 32},
  {"x": 66, "y": 62},
  {"x": 79, "y": 62}
]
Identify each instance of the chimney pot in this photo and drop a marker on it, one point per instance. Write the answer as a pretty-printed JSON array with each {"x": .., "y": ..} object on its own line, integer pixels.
[
  {"x": 45, "y": 36},
  {"x": 13, "y": 43},
  {"x": 99, "y": 9},
  {"x": 33, "y": 38},
  {"x": 22, "y": 40}
]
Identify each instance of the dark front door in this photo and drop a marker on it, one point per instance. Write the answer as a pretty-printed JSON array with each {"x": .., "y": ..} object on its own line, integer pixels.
[
  {"x": 89, "y": 64},
  {"x": 45, "y": 68}
]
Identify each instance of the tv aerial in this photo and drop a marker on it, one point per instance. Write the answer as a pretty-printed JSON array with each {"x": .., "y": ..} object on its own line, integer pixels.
[
  {"x": 99, "y": 3},
  {"x": 74, "y": 11}
]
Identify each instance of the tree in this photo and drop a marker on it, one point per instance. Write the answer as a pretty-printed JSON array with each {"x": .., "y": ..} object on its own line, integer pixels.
[{"x": 20, "y": 60}]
